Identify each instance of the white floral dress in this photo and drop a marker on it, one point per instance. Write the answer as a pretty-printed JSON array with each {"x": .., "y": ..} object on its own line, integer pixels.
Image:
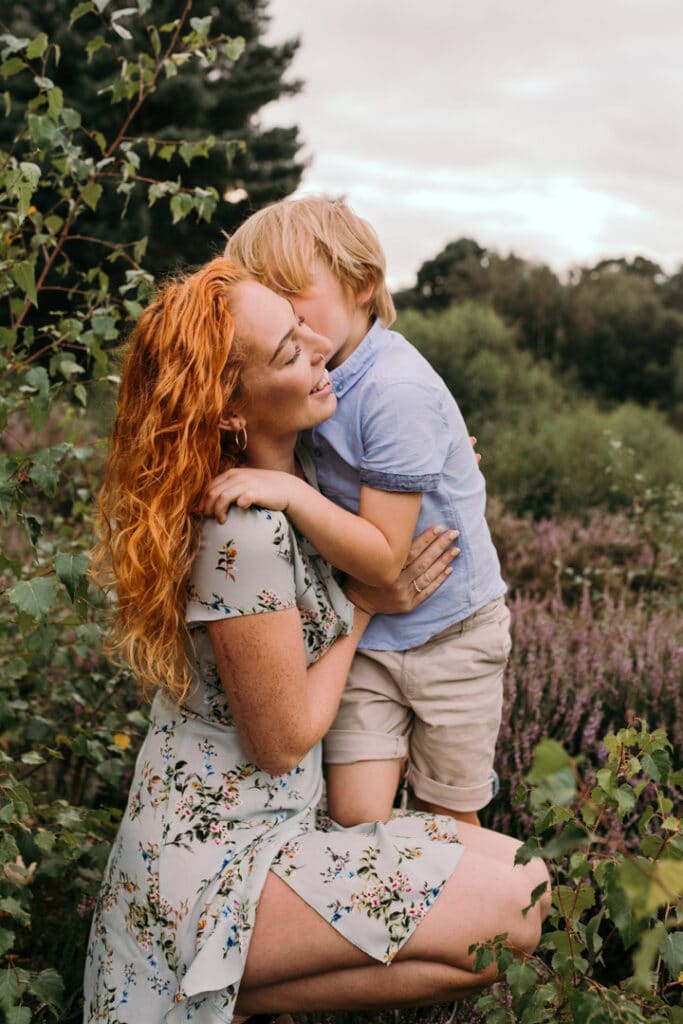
[{"x": 204, "y": 825}]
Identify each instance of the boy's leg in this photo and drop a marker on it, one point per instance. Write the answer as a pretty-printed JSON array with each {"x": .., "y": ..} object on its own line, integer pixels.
[
  {"x": 362, "y": 791},
  {"x": 366, "y": 748},
  {"x": 457, "y": 694}
]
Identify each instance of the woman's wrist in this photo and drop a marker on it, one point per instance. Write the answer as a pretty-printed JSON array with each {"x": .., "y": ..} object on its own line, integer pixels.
[{"x": 361, "y": 605}]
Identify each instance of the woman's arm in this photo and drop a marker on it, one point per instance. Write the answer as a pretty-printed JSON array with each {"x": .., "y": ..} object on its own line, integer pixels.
[
  {"x": 281, "y": 708},
  {"x": 372, "y": 546}
]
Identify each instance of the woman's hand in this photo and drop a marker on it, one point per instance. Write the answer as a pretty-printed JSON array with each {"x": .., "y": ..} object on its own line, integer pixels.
[
  {"x": 246, "y": 487},
  {"x": 427, "y": 566}
]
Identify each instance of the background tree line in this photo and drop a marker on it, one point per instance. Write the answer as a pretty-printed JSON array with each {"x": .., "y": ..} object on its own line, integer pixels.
[{"x": 614, "y": 329}]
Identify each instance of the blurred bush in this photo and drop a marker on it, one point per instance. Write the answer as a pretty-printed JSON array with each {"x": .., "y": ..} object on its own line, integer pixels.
[{"x": 545, "y": 449}]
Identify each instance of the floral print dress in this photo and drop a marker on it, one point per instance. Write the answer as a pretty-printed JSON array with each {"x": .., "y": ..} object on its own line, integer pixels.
[{"x": 204, "y": 825}]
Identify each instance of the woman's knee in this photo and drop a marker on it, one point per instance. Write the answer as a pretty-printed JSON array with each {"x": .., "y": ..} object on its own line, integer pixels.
[
  {"x": 525, "y": 920},
  {"x": 539, "y": 874}
]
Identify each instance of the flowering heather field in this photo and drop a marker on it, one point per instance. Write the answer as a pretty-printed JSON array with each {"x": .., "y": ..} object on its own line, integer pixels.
[
  {"x": 597, "y": 637},
  {"x": 576, "y": 673}
]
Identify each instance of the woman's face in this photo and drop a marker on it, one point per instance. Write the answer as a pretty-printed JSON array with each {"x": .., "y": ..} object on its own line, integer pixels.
[{"x": 284, "y": 378}]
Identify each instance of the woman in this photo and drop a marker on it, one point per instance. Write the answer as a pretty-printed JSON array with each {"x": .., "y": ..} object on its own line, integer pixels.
[{"x": 220, "y": 891}]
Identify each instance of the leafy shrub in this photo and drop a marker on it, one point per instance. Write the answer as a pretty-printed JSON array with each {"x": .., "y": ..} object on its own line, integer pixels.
[
  {"x": 547, "y": 452},
  {"x": 574, "y": 674},
  {"x": 612, "y": 948},
  {"x": 576, "y": 458},
  {"x": 70, "y": 722}
]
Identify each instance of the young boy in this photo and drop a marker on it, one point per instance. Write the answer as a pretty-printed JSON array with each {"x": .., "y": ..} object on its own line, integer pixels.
[{"x": 425, "y": 685}]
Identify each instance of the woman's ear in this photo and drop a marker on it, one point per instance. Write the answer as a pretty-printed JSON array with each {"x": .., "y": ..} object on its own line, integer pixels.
[{"x": 232, "y": 423}]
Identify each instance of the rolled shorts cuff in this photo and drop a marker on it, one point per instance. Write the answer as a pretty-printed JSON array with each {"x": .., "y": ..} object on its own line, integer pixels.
[
  {"x": 455, "y": 798},
  {"x": 342, "y": 746}
]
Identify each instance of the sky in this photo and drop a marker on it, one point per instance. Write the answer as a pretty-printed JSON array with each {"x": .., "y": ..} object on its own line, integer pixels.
[{"x": 550, "y": 129}]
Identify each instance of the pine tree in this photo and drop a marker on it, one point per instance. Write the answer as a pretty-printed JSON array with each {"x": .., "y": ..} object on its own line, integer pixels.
[{"x": 220, "y": 98}]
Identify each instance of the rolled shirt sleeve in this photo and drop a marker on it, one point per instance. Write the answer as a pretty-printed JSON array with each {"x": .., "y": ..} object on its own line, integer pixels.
[{"x": 405, "y": 437}]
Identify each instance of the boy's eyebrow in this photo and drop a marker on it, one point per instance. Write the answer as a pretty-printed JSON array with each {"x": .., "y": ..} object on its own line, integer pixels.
[{"x": 281, "y": 344}]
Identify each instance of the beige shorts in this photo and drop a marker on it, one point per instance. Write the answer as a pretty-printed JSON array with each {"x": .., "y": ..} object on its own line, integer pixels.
[{"x": 438, "y": 705}]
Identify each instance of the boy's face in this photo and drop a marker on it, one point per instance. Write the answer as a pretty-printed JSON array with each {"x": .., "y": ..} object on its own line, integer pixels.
[{"x": 331, "y": 310}]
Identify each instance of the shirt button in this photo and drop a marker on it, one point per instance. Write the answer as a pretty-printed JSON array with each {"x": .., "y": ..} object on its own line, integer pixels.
[{"x": 318, "y": 452}]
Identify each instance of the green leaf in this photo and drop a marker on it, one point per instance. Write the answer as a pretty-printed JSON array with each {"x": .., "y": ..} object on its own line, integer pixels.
[
  {"x": 181, "y": 204},
  {"x": 12, "y": 67},
  {"x": 535, "y": 896},
  {"x": 34, "y": 598},
  {"x": 72, "y": 570},
  {"x": 201, "y": 25},
  {"x": 672, "y": 952},
  {"x": 483, "y": 958},
  {"x": 81, "y": 9},
  {"x": 549, "y": 757},
  {"x": 45, "y": 841},
  {"x": 55, "y": 102},
  {"x": 234, "y": 48},
  {"x": 520, "y": 977},
  {"x": 18, "y": 1015},
  {"x": 572, "y": 902},
  {"x": 43, "y": 471},
  {"x": 649, "y": 885},
  {"x": 48, "y": 987},
  {"x": 13, "y": 907},
  {"x": 37, "y": 378},
  {"x": 91, "y": 194},
  {"x": 24, "y": 276},
  {"x": 37, "y": 46},
  {"x": 644, "y": 957},
  {"x": 31, "y": 172},
  {"x": 6, "y": 940},
  {"x": 32, "y": 757},
  {"x": 68, "y": 368},
  {"x": 94, "y": 45}
]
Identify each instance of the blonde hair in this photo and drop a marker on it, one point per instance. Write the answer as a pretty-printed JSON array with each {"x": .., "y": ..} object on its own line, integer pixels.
[
  {"x": 278, "y": 244},
  {"x": 181, "y": 368}
]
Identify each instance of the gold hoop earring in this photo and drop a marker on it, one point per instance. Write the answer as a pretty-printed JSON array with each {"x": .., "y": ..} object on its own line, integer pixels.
[{"x": 241, "y": 439}]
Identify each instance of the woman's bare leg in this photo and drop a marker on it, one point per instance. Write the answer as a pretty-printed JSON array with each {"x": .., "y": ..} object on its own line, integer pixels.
[
  {"x": 297, "y": 961},
  {"x": 410, "y": 983}
]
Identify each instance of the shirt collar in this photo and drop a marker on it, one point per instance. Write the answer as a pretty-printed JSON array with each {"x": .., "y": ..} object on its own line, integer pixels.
[{"x": 347, "y": 373}]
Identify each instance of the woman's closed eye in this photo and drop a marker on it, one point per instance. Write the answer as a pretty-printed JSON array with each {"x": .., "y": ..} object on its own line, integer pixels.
[{"x": 297, "y": 353}]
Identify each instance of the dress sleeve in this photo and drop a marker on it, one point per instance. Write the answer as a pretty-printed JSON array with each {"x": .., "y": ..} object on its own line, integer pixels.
[{"x": 243, "y": 566}]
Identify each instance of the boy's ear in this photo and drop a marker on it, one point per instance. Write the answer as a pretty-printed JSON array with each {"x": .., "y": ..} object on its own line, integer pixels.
[
  {"x": 232, "y": 423},
  {"x": 364, "y": 293}
]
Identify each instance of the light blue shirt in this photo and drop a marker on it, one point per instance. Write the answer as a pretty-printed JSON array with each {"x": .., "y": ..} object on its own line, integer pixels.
[{"x": 398, "y": 428}]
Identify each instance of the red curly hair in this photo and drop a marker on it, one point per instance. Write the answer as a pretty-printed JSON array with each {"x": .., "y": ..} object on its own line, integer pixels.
[{"x": 181, "y": 369}]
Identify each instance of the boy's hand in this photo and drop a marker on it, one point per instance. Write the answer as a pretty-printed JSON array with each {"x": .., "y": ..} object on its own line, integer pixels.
[
  {"x": 246, "y": 487},
  {"x": 473, "y": 442},
  {"x": 427, "y": 566}
]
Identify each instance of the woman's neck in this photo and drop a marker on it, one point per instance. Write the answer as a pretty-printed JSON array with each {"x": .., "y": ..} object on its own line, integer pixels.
[{"x": 271, "y": 454}]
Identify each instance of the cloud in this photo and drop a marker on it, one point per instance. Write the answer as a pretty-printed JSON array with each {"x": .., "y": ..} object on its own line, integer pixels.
[{"x": 547, "y": 125}]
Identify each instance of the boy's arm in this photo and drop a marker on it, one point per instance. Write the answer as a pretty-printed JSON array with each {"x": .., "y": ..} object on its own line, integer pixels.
[{"x": 372, "y": 547}]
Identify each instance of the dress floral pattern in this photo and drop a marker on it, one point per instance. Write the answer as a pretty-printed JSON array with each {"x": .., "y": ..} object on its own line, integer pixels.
[{"x": 203, "y": 825}]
